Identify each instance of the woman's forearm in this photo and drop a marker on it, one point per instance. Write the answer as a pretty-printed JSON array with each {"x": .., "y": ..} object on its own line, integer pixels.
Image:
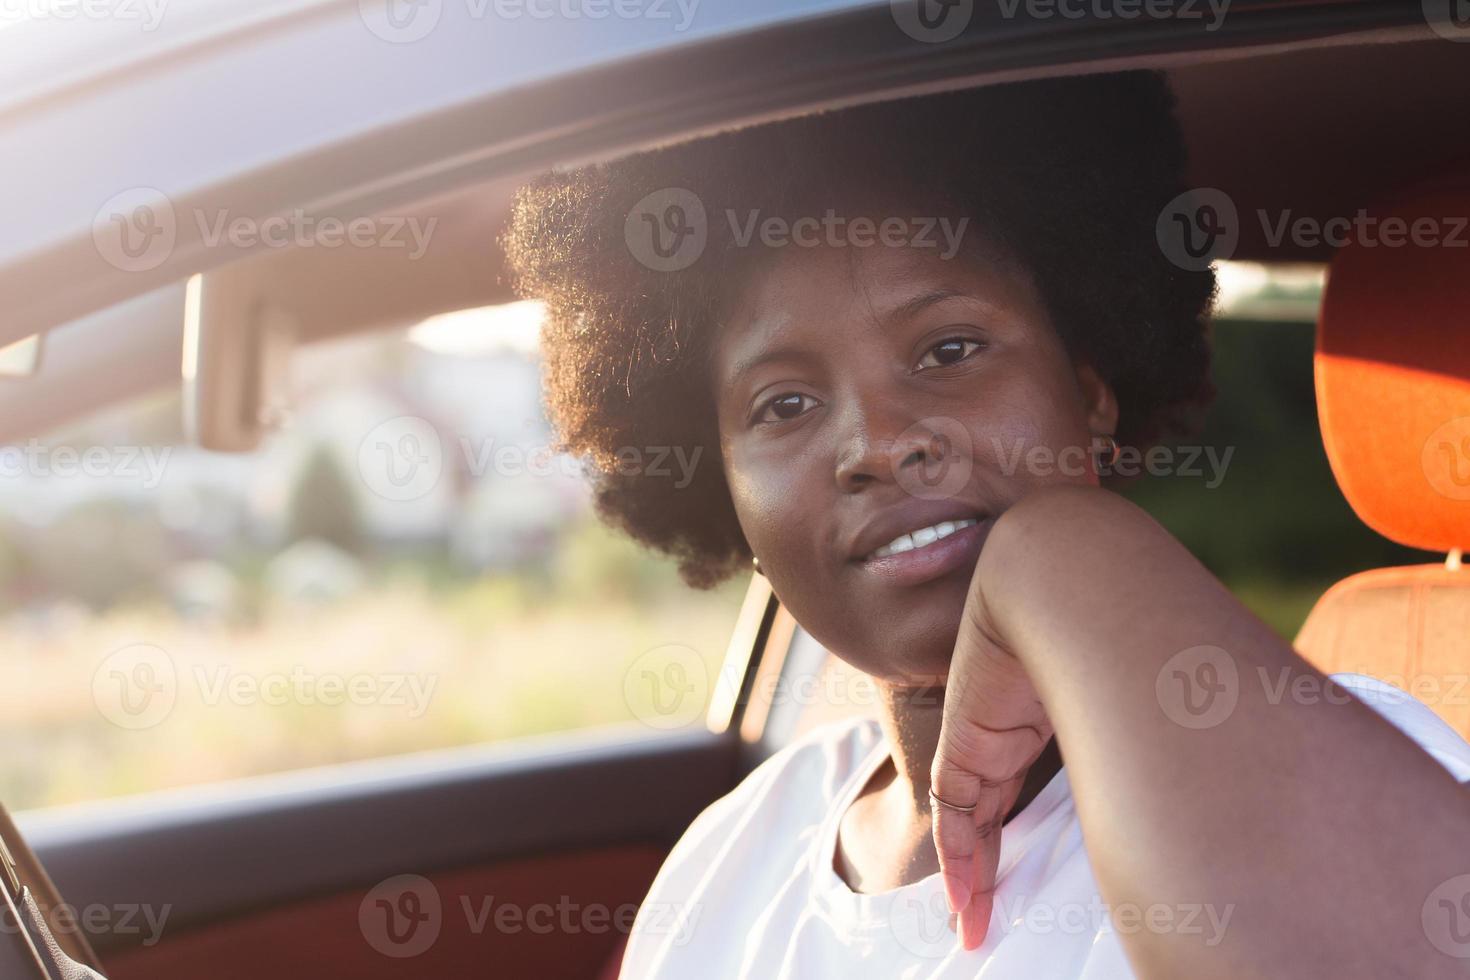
[{"x": 1244, "y": 816}]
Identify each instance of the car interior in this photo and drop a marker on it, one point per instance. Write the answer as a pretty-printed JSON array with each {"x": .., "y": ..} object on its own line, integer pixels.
[{"x": 268, "y": 876}]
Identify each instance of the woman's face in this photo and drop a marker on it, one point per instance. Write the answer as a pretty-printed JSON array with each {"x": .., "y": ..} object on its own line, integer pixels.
[{"x": 865, "y": 394}]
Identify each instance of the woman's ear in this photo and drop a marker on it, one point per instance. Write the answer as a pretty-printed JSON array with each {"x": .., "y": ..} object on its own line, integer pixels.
[{"x": 1098, "y": 399}]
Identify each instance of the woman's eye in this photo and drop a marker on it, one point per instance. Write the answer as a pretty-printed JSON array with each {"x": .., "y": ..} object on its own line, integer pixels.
[
  {"x": 947, "y": 352},
  {"x": 785, "y": 407}
]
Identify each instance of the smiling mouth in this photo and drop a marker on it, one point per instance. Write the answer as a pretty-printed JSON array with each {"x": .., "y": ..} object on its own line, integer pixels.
[{"x": 921, "y": 538}]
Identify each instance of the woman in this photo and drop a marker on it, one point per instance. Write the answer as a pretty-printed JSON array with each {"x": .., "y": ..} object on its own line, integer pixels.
[{"x": 914, "y": 335}]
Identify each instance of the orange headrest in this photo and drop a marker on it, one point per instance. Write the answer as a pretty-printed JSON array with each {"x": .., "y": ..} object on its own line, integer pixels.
[{"x": 1393, "y": 368}]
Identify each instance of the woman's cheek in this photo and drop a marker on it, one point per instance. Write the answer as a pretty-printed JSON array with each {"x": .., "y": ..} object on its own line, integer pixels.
[
  {"x": 767, "y": 501},
  {"x": 1032, "y": 445}
]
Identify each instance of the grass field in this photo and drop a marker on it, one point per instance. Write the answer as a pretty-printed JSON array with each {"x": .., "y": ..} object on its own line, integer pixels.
[{"x": 403, "y": 666}]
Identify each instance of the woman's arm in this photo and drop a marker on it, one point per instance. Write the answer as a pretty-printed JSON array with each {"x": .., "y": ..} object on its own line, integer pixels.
[{"x": 1215, "y": 771}]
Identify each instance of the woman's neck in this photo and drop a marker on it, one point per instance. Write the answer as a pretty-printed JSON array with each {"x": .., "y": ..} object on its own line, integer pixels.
[
  {"x": 886, "y": 839},
  {"x": 910, "y": 718}
]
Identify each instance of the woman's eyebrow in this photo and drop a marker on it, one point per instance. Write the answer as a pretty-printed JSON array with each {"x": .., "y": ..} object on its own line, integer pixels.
[
  {"x": 917, "y": 304},
  {"x": 747, "y": 364}
]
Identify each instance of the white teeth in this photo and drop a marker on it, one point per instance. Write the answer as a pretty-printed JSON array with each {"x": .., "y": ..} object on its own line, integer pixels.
[{"x": 922, "y": 537}]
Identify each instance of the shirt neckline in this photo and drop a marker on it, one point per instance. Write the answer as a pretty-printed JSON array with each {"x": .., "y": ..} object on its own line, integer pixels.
[{"x": 860, "y": 912}]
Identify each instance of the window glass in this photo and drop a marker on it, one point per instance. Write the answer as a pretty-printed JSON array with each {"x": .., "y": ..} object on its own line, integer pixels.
[{"x": 405, "y": 565}]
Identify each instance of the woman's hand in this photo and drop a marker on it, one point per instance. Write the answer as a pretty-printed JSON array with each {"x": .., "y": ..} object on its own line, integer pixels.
[
  {"x": 1082, "y": 603},
  {"x": 994, "y": 728}
]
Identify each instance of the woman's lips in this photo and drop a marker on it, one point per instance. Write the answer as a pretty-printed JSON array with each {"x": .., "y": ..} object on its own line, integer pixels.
[{"x": 933, "y": 560}]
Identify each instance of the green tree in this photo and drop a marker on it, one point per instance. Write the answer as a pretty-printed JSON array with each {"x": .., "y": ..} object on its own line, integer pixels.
[{"x": 324, "y": 505}]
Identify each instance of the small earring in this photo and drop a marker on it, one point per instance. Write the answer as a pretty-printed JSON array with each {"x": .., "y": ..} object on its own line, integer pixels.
[
  {"x": 1109, "y": 449},
  {"x": 757, "y": 563}
]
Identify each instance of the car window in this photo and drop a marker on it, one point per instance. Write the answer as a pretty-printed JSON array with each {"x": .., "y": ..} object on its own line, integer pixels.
[{"x": 406, "y": 564}]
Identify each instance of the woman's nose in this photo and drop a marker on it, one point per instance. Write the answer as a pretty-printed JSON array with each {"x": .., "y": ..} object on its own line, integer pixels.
[{"x": 892, "y": 448}]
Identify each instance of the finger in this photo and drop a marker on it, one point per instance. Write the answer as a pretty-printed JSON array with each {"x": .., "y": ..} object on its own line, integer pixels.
[
  {"x": 988, "y": 738},
  {"x": 961, "y": 838}
]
